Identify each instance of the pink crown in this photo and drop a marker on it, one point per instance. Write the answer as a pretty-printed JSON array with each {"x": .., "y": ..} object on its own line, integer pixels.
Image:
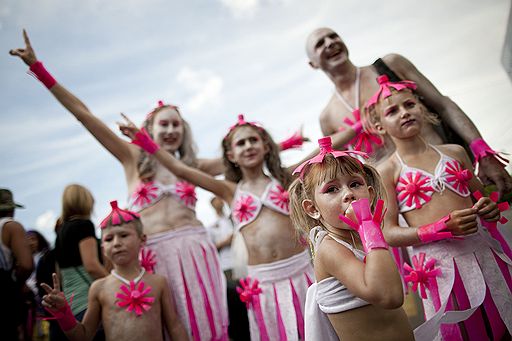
[
  {"x": 385, "y": 89},
  {"x": 242, "y": 121},
  {"x": 159, "y": 105},
  {"x": 118, "y": 216}
]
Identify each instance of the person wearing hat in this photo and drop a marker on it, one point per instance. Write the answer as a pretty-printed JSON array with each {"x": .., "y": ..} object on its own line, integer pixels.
[{"x": 16, "y": 265}]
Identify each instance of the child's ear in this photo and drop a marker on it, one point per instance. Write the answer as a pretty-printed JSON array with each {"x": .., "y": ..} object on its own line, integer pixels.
[
  {"x": 143, "y": 238},
  {"x": 380, "y": 129},
  {"x": 372, "y": 193},
  {"x": 229, "y": 155},
  {"x": 309, "y": 207},
  {"x": 313, "y": 65}
]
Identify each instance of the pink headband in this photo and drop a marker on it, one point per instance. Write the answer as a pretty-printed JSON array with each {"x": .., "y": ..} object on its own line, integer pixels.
[
  {"x": 325, "y": 145},
  {"x": 118, "y": 216},
  {"x": 385, "y": 89},
  {"x": 159, "y": 105},
  {"x": 242, "y": 121}
]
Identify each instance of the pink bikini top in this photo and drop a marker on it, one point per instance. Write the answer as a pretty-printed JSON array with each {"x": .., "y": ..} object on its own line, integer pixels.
[
  {"x": 148, "y": 193},
  {"x": 246, "y": 206},
  {"x": 416, "y": 186}
]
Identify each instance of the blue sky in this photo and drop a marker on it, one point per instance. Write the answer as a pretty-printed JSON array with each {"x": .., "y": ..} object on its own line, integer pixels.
[{"x": 215, "y": 59}]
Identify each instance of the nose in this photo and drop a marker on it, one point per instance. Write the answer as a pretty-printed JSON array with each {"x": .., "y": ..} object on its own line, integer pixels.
[
  {"x": 348, "y": 196},
  {"x": 404, "y": 112},
  {"x": 117, "y": 241}
]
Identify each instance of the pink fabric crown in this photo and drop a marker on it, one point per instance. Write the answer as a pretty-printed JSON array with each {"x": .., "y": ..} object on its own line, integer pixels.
[
  {"x": 159, "y": 105},
  {"x": 118, "y": 216},
  {"x": 242, "y": 121},
  {"x": 325, "y": 145},
  {"x": 385, "y": 89}
]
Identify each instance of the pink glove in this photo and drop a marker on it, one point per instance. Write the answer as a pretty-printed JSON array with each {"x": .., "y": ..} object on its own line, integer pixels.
[
  {"x": 294, "y": 141},
  {"x": 435, "y": 231},
  {"x": 481, "y": 149},
  {"x": 143, "y": 140},
  {"x": 38, "y": 70},
  {"x": 64, "y": 316},
  {"x": 368, "y": 226}
]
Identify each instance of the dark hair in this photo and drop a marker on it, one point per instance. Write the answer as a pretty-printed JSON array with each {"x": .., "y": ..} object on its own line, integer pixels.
[{"x": 42, "y": 243}]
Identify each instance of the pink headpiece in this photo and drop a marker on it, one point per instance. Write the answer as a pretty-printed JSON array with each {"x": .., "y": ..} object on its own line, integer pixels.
[
  {"x": 385, "y": 89},
  {"x": 118, "y": 216},
  {"x": 242, "y": 121},
  {"x": 325, "y": 145},
  {"x": 159, "y": 105}
]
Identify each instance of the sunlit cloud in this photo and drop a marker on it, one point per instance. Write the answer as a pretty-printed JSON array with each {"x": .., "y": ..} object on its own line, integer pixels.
[{"x": 205, "y": 85}]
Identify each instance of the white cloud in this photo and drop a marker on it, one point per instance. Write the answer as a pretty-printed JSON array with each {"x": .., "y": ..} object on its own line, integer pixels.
[
  {"x": 206, "y": 86},
  {"x": 45, "y": 224},
  {"x": 241, "y": 8}
]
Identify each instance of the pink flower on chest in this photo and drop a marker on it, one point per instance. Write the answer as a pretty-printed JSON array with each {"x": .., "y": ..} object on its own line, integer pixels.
[
  {"x": 412, "y": 188},
  {"x": 244, "y": 208},
  {"x": 135, "y": 297},
  {"x": 458, "y": 176},
  {"x": 144, "y": 193},
  {"x": 186, "y": 192},
  {"x": 279, "y": 196}
]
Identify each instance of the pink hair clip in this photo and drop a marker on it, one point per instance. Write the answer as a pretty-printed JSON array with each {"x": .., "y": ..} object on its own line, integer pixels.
[
  {"x": 385, "y": 89},
  {"x": 160, "y": 104},
  {"x": 325, "y": 145},
  {"x": 241, "y": 121},
  {"x": 118, "y": 216}
]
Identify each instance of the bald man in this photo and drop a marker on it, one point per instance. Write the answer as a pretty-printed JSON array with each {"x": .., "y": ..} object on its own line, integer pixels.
[{"x": 355, "y": 85}]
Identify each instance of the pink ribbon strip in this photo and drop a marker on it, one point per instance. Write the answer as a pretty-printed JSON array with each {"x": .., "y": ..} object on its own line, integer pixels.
[{"x": 249, "y": 294}]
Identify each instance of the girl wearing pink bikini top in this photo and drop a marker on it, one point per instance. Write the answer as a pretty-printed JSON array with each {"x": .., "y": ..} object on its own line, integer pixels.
[
  {"x": 279, "y": 265},
  {"x": 462, "y": 273}
]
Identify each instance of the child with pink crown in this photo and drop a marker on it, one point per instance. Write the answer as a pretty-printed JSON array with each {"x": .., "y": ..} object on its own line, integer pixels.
[
  {"x": 131, "y": 303},
  {"x": 279, "y": 265},
  {"x": 460, "y": 262},
  {"x": 358, "y": 292}
]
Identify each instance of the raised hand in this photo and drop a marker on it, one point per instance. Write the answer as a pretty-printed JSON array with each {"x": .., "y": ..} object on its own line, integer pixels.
[
  {"x": 54, "y": 299},
  {"x": 128, "y": 128},
  {"x": 139, "y": 137},
  {"x": 26, "y": 54}
]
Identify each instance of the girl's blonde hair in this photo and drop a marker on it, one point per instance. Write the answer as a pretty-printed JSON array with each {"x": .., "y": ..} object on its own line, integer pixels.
[
  {"x": 77, "y": 202},
  {"x": 371, "y": 117},
  {"x": 272, "y": 159},
  {"x": 302, "y": 189},
  {"x": 146, "y": 164}
]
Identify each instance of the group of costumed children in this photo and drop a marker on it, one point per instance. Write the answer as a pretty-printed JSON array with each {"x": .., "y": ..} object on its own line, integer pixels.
[{"x": 353, "y": 289}]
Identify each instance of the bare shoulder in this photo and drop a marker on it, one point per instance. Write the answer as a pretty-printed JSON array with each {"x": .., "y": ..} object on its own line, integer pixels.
[
  {"x": 454, "y": 150},
  {"x": 388, "y": 167},
  {"x": 157, "y": 281},
  {"x": 326, "y": 118},
  {"x": 97, "y": 287},
  {"x": 330, "y": 250}
]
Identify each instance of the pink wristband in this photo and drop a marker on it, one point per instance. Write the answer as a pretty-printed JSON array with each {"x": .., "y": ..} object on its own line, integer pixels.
[
  {"x": 481, "y": 149},
  {"x": 435, "y": 231},
  {"x": 143, "y": 140},
  {"x": 64, "y": 317},
  {"x": 293, "y": 141},
  {"x": 39, "y": 71}
]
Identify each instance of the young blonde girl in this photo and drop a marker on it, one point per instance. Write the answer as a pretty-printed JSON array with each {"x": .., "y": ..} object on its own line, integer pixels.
[
  {"x": 279, "y": 266},
  {"x": 462, "y": 273},
  {"x": 358, "y": 293}
]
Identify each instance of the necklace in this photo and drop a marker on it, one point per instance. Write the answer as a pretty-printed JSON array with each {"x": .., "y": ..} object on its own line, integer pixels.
[
  {"x": 344, "y": 101},
  {"x": 124, "y": 280}
]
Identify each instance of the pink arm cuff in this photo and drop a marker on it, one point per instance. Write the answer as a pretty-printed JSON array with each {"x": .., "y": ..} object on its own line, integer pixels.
[
  {"x": 481, "y": 149},
  {"x": 39, "y": 71},
  {"x": 64, "y": 317},
  {"x": 435, "y": 231},
  {"x": 294, "y": 141},
  {"x": 143, "y": 140}
]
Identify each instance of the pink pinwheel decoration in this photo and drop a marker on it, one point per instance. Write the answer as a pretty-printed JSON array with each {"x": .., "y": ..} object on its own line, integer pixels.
[
  {"x": 118, "y": 216},
  {"x": 187, "y": 192},
  {"x": 280, "y": 198},
  {"x": 147, "y": 260},
  {"x": 363, "y": 141},
  {"x": 244, "y": 208},
  {"x": 458, "y": 176},
  {"x": 412, "y": 187},
  {"x": 135, "y": 297},
  {"x": 385, "y": 89},
  {"x": 144, "y": 193},
  {"x": 423, "y": 275},
  {"x": 326, "y": 148},
  {"x": 248, "y": 291}
]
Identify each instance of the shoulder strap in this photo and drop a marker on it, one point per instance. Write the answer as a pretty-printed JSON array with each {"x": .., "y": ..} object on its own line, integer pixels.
[{"x": 383, "y": 69}]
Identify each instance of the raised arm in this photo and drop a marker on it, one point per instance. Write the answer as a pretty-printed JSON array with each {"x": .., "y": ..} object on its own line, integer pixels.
[
  {"x": 222, "y": 188},
  {"x": 491, "y": 170},
  {"x": 119, "y": 148}
]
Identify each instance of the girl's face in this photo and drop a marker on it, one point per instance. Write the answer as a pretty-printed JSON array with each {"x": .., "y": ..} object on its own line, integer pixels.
[
  {"x": 33, "y": 242},
  {"x": 121, "y": 244},
  {"x": 247, "y": 147},
  {"x": 168, "y": 129},
  {"x": 333, "y": 197},
  {"x": 400, "y": 115}
]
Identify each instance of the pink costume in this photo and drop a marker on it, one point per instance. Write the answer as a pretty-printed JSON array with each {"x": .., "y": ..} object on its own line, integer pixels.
[
  {"x": 277, "y": 312},
  {"x": 190, "y": 262},
  {"x": 473, "y": 269},
  {"x": 329, "y": 296}
]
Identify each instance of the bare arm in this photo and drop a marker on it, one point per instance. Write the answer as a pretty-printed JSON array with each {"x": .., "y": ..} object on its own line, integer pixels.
[
  {"x": 119, "y": 148},
  {"x": 89, "y": 254},
  {"x": 377, "y": 281},
  {"x": 172, "y": 321},
  {"x": 17, "y": 242},
  {"x": 211, "y": 166}
]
